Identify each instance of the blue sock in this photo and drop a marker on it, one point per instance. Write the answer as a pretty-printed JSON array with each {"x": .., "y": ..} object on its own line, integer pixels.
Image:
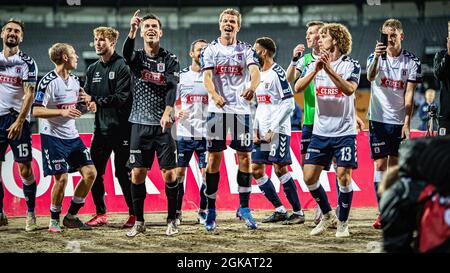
[
  {"x": 203, "y": 201},
  {"x": 55, "y": 211},
  {"x": 375, "y": 185},
  {"x": 290, "y": 189},
  {"x": 1, "y": 196},
  {"x": 30, "y": 195},
  {"x": 267, "y": 188},
  {"x": 337, "y": 186},
  {"x": 345, "y": 202},
  {"x": 55, "y": 215},
  {"x": 321, "y": 197}
]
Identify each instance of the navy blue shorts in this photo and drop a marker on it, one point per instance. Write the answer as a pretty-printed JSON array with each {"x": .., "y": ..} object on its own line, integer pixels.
[
  {"x": 384, "y": 139},
  {"x": 186, "y": 147},
  {"x": 322, "y": 149},
  {"x": 219, "y": 124},
  {"x": 63, "y": 155},
  {"x": 306, "y": 138},
  {"x": 278, "y": 151},
  {"x": 21, "y": 147}
]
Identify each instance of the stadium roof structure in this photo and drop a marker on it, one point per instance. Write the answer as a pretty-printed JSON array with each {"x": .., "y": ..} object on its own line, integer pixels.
[{"x": 199, "y": 3}]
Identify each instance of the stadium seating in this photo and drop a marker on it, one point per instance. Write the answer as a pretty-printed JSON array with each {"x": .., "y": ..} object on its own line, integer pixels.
[{"x": 38, "y": 38}]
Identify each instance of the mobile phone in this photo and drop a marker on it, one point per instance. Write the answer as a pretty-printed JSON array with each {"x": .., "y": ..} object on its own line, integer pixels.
[{"x": 384, "y": 40}]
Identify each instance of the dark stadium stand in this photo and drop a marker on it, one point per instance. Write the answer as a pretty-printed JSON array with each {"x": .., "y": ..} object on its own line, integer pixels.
[{"x": 38, "y": 38}]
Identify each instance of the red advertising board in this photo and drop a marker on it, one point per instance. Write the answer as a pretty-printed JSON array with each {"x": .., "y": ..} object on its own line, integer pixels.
[{"x": 227, "y": 197}]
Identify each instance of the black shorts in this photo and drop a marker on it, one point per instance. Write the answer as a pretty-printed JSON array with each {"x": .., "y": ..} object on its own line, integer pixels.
[{"x": 145, "y": 141}]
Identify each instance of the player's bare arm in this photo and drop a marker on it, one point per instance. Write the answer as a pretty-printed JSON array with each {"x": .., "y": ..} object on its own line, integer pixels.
[
  {"x": 255, "y": 79},
  {"x": 303, "y": 82},
  {"x": 166, "y": 120},
  {"x": 409, "y": 96},
  {"x": 43, "y": 112},
  {"x": 292, "y": 74},
  {"x": 84, "y": 96},
  {"x": 134, "y": 24},
  {"x": 256, "y": 139},
  {"x": 372, "y": 70},
  {"x": 209, "y": 85},
  {"x": 15, "y": 130},
  {"x": 359, "y": 124}
]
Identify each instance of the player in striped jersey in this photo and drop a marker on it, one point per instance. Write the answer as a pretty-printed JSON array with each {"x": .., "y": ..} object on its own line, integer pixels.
[
  {"x": 336, "y": 78},
  {"x": 272, "y": 134},
  {"x": 231, "y": 75},
  {"x": 18, "y": 76},
  {"x": 191, "y": 126},
  {"x": 393, "y": 82},
  {"x": 58, "y": 103}
]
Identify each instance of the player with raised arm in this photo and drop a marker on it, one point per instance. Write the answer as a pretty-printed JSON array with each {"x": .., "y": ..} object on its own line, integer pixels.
[
  {"x": 231, "y": 75},
  {"x": 191, "y": 126},
  {"x": 272, "y": 134},
  {"x": 155, "y": 75},
  {"x": 18, "y": 77},
  {"x": 336, "y": 78},
  {"x": 57, "y": 103},
  {"x": 393, "y": 82}
]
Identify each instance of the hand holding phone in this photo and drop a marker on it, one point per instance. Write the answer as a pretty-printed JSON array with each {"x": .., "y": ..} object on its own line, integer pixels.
[{"x": 384, "y": 41}]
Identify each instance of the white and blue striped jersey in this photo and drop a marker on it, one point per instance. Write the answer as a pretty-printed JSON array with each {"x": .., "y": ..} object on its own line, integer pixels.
[
  {"x": 270, "y": 93},
  {"x": 14, "y": 72},
  {"x": 335, "y": 114},
  {"x": 194, "y": 99},
  {"x": 231, "y": 76},
  {"x": 387, "y": 102},
  {"x": 55, "y": 93}
]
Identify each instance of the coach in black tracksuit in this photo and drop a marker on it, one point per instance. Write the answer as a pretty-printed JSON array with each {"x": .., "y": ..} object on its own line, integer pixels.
[{"x": 108, "y": 84}]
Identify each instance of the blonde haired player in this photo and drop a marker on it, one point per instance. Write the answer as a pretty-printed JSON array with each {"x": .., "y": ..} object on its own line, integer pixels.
[{"x": 63, "y": 151}]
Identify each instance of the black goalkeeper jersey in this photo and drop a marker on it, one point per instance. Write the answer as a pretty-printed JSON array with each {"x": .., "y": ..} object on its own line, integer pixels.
[{"x": 154, "y": 83}]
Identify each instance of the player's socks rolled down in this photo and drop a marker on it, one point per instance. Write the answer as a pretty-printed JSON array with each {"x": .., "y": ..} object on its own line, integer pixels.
[
  {"x": 171, "y": 194},
  {"x": 30, "y": 195},
  {"x": 1, "y": 195},
  {"x": 203, "y": 200},
  {"x": 290, "y": 189},
  {"x": 212, "y": 185},
  {"x": 345, "y": 202},
  {"x": 138, "y": 193},
  {"x": 75, "y": 205},
  {"x": 267, "y": 188},
  {"x": 180, "y": 181},
  {"x": 244, "y": 181},
  {"x": 320, "y": 196}
]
